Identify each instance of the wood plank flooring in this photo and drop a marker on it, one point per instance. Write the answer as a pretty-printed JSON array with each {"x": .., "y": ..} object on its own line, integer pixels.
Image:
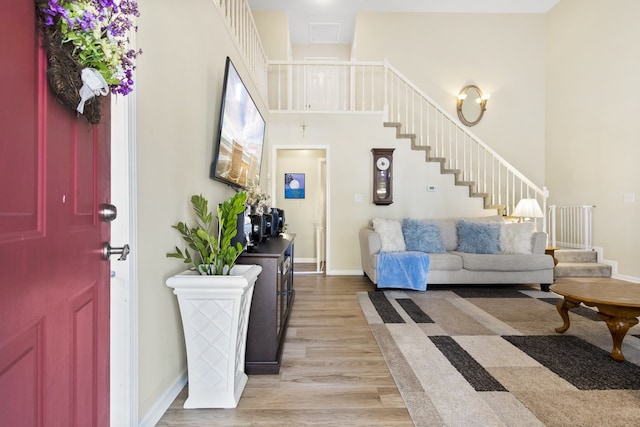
[{"x": 333, "y": 373}]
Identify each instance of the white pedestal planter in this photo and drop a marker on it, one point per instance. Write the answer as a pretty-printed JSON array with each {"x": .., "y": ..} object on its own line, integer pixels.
[{"x": 215, "y": 316}]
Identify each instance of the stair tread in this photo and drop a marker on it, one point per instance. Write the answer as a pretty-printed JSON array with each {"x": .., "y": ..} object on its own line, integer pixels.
[
  {"x": 582, "y": 269},
  {"x": 574, "y": 256}
]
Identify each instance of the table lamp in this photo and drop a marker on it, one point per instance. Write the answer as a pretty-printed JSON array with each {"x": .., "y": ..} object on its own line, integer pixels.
[{"x": 527, "y": 209}]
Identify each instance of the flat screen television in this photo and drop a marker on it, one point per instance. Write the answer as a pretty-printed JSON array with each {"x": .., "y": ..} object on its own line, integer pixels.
[{"x": 238, "y": 149}]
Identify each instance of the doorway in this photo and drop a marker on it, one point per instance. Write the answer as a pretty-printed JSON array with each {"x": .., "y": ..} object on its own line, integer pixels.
[{"x": 306, "y": 217}]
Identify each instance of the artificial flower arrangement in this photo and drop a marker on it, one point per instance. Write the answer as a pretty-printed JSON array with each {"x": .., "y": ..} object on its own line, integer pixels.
[
  {"x": 258, "y": 201},
  {"x": 88, "y": 50}
]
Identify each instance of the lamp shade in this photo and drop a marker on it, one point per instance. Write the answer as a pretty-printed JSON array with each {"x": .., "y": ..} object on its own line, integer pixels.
[{"x": 528, "y": 208}]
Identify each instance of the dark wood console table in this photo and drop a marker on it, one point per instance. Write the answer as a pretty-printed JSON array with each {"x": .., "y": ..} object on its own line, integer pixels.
[{"x": 271, "y": 305}]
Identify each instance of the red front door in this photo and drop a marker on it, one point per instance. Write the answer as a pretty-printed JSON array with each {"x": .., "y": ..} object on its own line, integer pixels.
[{"x": 54, "y": 295}]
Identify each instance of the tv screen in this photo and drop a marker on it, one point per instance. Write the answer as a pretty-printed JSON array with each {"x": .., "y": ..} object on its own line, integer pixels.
[{"x": 238, "y": 152}]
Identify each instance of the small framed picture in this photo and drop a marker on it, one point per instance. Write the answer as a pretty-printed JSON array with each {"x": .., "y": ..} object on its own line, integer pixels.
[{"x": 294, "y": 186}]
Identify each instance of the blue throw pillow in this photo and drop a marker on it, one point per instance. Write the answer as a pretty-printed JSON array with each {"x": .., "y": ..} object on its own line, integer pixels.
[
  {"x": 478, "y": 238},
  {"x": 422, "y": 236}
]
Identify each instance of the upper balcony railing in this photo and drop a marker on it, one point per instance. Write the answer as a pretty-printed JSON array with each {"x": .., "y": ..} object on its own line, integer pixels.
[{"x": 357, "y": 87}]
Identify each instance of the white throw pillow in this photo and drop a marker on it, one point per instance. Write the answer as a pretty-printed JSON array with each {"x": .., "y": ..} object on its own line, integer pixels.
[
  {"x": 516, "y": 238},
  {"x": 390, "y": 232}
]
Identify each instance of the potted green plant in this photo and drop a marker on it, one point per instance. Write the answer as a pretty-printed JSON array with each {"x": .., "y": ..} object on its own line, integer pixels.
[
  {"x": 213, "y": 253},
  {"x": 214, "y": 297}
]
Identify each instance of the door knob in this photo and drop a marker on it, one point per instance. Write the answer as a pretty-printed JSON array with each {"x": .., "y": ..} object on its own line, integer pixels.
[
  {"x": 108, "y": 250},
  {"x": 108, "y": 212}
]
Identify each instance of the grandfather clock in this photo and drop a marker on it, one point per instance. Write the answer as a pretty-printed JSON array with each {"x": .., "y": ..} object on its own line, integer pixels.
[{"x": 382, "y": 175}]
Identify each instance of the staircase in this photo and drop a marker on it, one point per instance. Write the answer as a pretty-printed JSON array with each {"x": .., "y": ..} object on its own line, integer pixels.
[
  {"x": 457, "y": 173},
  {"x": 580, "y": 263},
  {"x": 379, "y": 87}
]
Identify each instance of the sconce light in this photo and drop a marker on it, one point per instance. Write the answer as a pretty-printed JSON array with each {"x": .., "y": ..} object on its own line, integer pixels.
[
  {"x": 527, "y": 209},
  {"x": 483, "y": 100},
  {"x": 470, "y": 113}
]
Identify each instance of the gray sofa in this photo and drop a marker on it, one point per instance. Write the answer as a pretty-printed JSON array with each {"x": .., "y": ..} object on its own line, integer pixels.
[{"x": 456, "y": 267}]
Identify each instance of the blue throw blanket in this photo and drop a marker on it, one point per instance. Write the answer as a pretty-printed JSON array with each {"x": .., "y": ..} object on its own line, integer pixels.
[{"x": 405, "y": 270}]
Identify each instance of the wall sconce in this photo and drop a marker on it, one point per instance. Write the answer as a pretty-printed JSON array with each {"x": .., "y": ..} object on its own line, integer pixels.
[{"x": 471, "y": 105}]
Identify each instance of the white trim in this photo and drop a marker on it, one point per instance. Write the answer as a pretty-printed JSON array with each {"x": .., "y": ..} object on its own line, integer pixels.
[
  {"x": 124, "y": 307},
  {"x": 626, "y": 278},
  {"x": 321, "y": 232},
  {"x": 124, "y": 283},
  {"x": 159, "y": 408},
  {"x": 614, "y": 268},
  {"x": 345, "y": 273}
]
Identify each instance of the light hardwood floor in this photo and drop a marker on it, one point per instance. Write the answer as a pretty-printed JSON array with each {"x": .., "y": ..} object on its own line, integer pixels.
[{"x": 333, "y": 373}]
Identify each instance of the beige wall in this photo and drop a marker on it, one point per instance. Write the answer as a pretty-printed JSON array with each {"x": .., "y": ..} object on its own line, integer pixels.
[
  {"x": 179, "y": 84},
  {"x": 273, "y": 27},
  {"x": 348, "y": 140},
  {"x": 592, "y": 148},
  {"x": 504, "y": 54}
]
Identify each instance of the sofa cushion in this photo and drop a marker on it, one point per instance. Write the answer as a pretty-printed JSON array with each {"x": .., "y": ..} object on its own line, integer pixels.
[
  {"x": 446, "y": 261},
  {"x": 478, "y": 238},
  {"x": 449, "y": 229},
  {"x": 422, "y": 236},
  {"x": 505, "y": 262},
  {"x": 516, "y": 238},
  {"x": 390, "y": 232}
]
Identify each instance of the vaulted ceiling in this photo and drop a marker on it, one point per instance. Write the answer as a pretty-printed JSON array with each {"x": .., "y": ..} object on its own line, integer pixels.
[{"x": 333, "y": 21}]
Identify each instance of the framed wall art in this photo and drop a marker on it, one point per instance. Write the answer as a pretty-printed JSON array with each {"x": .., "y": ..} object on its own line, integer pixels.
[{"x": 294, "y": 186}]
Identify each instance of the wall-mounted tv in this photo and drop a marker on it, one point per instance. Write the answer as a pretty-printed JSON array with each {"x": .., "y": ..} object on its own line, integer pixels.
[{"x": 238, "y": 150}]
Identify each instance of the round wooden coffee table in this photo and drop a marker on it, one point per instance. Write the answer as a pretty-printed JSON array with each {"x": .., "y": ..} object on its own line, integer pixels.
[{"x": 618, "y": 305}]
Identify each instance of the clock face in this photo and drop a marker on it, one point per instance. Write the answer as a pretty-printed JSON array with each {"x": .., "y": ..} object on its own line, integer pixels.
[{"x": 383, "y": 163}]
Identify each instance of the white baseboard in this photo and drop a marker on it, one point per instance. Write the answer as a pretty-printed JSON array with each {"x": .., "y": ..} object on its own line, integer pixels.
[
  {"x": 306, "y": 260},
  {"x": 614, "y": 267},
  {"x": 345, "y": 273},
  {"x": 626, "y": 278},
  {"x": 156, "y": 412}
]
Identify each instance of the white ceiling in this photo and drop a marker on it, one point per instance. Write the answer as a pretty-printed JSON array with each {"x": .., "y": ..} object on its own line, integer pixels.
[{"x": 333, "y": 21}]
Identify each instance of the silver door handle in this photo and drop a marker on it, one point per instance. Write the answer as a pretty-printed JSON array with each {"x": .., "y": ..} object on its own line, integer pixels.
[
  {"x": 108, "y": 212},
  {"x": 108, "y": 250}
]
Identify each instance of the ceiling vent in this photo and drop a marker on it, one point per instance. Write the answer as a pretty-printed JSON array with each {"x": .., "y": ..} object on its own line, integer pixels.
[{"x": 324, "y": 33}]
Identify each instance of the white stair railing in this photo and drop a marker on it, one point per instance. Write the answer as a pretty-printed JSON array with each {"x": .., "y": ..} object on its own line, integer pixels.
[
  {"x": 334, "y": 86},
  {"x": 240, "y": 24},
  {"x": 570, "y": 226}
]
